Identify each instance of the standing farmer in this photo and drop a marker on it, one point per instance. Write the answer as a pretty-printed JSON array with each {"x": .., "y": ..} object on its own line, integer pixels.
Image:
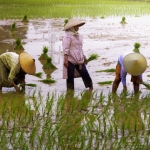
[{"x": 74, "y": 58}]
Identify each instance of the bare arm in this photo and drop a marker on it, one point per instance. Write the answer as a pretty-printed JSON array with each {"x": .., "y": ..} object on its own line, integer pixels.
[{"x": 16, "y": 87}]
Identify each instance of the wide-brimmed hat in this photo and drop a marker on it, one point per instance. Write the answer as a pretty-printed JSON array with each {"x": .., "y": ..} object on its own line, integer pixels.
[
  {"x": 135, "y": 63},
  {"x": 73, "y": 22},
  {"x": 27, "y": 63}
]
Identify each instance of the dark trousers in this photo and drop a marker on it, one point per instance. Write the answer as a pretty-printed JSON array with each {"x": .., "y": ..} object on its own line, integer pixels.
[{"x": 84, "y": 75}]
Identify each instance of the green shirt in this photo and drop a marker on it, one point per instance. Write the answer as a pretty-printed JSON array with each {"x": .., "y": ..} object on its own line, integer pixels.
[{"x": 11, "y": 61}]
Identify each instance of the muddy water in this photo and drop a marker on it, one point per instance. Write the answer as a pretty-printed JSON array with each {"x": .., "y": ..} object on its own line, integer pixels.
[{"x": 106, "y": 37}]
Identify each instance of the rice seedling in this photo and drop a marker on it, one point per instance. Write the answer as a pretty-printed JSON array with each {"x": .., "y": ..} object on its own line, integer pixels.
[
  {"x": 18, "y": 45},
  {"x": 105, "y": 82},
  {"x": 107, "y": 70},
  {"x": 123, "y": 21},
  {"x": 38, "y": 74},
  {"x": 44, "y": 55},
  {"x": 13, "y": 27},
  {"x": 48, "y": 81},
  {"x": 68, "y": 129},
  {"x": 92, "y": 57},
  {"x": 49, "y": 64},
  {"x": 146, "y": 85},
  {"x": 136, "y": 47},
  {"x": 25, "y": 20},
  {"x": 31, "y": 84}
]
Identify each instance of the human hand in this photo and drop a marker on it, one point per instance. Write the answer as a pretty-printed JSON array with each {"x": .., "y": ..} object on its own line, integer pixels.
[
  {"x": 16, "y": 87},
  {"x": 66, "y": 63},
  {"x": 86, "y": 62}
]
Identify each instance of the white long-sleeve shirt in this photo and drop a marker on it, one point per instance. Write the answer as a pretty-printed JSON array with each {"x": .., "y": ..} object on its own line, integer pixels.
[{"x": 123, "y": 73}]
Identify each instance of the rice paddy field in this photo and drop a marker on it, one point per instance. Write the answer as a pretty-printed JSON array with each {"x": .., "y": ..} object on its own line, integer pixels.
[{"x": 47, "y": 117}]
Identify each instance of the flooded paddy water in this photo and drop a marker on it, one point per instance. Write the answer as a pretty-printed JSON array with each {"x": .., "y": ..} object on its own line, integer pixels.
[{"x": 105, "y": 37}]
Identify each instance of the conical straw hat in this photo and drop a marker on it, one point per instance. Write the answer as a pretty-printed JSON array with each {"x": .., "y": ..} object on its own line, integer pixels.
[
  {"x": 73, "y": 22},
  {"x": 135, "y": 63},
  {"x": 27, "y": 63}
]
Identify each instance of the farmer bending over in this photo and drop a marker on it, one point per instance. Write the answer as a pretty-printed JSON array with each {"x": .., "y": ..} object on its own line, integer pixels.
[
  {"x": 13, "y": 68},
  {"x": 133, "y": 63}
]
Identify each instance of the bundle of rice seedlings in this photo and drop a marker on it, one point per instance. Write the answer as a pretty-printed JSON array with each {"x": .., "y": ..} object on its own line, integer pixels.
[
  {"x": 92, "y": 57},
  {"x": 136, "y": 47},
  {"x": 48, "y": 81},
  {"x": 18, "y": 45},
  {"x": 105, "y": 82},
  {"x": 123, "y": 20},
  {"x": 49, "y": 64},
  {"x": 146, "y": 85},
  {"x": 38, "y": 74},
  {"x": 30, "y": 84},
  {"x": 13, "y": 27},
  {"x": 107, "y": 70},
  {"x": 25, "y": 19},
  {"x": 66, "y": 21},
  {"x": 44, "y": 55}
]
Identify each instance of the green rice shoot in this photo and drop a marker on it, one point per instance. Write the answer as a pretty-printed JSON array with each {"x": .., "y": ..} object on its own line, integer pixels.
[
  {"x": 38, "y": 74},
  {"x": 25, "y": 19},
  {"x": 18, "y": 45},
  {"x": 92, "y": 57},
  {"x": 31, "y": 84},
  {"x": 44, "y": 55},
  {"x": 13, "y": 27},
  {"x": 146, "y": 85},
  {"x": 105, "y": 82},
  {"x": 49, "y": 64},
  {"x": 123, "y": 21},
  {"x": 136, "y": 47},
  {"x": 107, "y": 70},
  {"x": 48, "y": 81}
]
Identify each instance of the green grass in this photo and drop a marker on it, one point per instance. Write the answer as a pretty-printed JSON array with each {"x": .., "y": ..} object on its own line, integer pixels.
[{"x": 17, "y": 9}]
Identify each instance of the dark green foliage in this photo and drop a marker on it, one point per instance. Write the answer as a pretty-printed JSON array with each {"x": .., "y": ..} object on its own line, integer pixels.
[
  {"x": 18, "y": 45},
  {"x": 44, "y": 55},
  {"x": 49, "y": 64}
]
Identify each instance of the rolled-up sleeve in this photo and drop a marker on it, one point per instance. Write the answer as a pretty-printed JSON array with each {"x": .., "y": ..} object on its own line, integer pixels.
[{"x": 66, "y": 44}]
